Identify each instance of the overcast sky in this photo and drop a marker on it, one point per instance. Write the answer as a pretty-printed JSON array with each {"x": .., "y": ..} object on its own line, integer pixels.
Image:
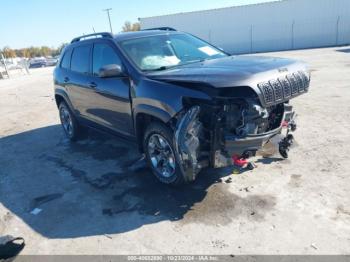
[{"x": 42, "y": 22}]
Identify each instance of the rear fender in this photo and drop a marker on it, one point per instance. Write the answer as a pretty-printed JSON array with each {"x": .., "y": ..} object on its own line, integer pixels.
[{"x": 61, "y": 94}]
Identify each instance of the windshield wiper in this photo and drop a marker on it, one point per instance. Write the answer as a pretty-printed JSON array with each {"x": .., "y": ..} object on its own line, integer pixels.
[
  {"x": 190, "y": 62},
  {"x": 161, "y": 68}
]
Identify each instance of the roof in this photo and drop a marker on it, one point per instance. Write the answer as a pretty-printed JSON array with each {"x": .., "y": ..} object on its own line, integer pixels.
[
  {"x": 121, "y": 36},
  {"x": 137, "y": 34}
]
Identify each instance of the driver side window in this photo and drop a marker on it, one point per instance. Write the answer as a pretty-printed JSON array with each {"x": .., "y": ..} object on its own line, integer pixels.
[{"x": 103, "y": 54}]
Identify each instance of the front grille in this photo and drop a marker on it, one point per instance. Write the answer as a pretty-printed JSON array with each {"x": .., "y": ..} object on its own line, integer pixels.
[
  {"x": 267, "y": 92},
  {"x": 277, "y": 88},
  {"x": 293, "y": 84},
  {"x": 286, "y": 87},
  {"x": 306, "y": 81},
  {"x": 300, "y": 82},
  {"x": 275, "y": 91}
]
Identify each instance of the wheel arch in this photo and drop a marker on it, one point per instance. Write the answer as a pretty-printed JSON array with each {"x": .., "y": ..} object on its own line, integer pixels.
[
  {"x": 62, "y": 96},
  {"x": 144, "y": 115}
]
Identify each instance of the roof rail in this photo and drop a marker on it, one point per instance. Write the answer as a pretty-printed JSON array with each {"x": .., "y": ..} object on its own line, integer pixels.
[
  {"x": 165, "y": 28},
  {"x": 102, "y": 34}
]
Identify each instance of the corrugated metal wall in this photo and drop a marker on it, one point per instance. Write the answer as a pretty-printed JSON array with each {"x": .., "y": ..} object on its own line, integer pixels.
[{"x": 274, "y": 26}]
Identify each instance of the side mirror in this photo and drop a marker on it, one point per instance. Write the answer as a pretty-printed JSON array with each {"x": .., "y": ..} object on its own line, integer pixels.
[{"x": 111, "y": 70}]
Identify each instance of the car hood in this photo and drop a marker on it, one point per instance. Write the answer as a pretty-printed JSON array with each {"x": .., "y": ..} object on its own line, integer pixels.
[
  {"x": 270, "y": 78},
  {"x": 231, "y": 71}
]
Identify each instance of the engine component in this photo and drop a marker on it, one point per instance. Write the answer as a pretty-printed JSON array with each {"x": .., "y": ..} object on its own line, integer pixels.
[{"x": 248, "y": 118}]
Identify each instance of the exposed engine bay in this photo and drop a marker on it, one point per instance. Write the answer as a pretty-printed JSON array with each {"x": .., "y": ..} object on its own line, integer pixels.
[{"x": 217, "y": 134}]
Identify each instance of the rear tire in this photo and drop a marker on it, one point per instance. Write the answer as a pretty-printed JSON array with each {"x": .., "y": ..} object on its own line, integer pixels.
[
  {"x": 70, "y": 125},
  {"x": 161, "y": 155}
]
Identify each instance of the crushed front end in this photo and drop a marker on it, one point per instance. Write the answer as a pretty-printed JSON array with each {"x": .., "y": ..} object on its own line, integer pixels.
[
  {"x": 229, "y": 127},
  {"x": 244, "y": 127}
]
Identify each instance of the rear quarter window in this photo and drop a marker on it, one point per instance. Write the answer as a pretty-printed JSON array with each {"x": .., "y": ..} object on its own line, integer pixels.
[
  {"x": 66, "y": 59},
  {"x": 80, "y": 59}
]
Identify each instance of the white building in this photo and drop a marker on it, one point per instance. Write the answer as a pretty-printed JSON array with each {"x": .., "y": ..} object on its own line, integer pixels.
[{"x": 271, "y": 26}]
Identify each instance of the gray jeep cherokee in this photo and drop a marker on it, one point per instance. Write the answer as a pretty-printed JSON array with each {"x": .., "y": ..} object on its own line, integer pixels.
[{"x": 187, "y": 104}]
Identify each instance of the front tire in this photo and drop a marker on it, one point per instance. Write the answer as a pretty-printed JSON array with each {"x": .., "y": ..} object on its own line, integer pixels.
[
  {"x": 161, "y": 154},
  {"x": 69, "y": 123}
]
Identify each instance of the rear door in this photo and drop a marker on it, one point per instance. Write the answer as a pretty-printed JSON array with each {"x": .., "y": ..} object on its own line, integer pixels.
[{"x": 111, "y": 102}]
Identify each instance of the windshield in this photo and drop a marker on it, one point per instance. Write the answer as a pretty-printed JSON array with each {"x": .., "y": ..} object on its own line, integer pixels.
[{"x": 160, "y": 52}]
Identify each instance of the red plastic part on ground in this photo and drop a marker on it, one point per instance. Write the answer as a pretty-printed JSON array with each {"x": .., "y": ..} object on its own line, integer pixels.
[{"x": 238, "y": 161}]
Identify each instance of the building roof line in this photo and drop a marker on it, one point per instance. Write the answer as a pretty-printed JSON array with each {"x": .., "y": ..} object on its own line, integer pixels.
[{"x": 216, "y": 9}]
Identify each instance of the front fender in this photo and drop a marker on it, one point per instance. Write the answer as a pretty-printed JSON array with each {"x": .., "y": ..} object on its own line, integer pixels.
[
  {"x": 153, "y": 111},
  {"x": 164, "y": 96}
]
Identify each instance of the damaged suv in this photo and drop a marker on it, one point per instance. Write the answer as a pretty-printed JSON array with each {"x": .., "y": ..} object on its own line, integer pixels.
[{"x": 187, "y": 104}]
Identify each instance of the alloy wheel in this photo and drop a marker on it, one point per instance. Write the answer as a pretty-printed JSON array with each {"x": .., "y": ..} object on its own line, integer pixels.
[{"x": 161, "y": 155}]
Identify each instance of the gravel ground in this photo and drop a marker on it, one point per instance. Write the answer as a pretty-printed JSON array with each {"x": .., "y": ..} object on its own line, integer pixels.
[{"x": 95, "y": 197}]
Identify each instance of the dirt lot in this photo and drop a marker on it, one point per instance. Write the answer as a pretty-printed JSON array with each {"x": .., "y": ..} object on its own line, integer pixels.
[{"x": 95, "y": 199}]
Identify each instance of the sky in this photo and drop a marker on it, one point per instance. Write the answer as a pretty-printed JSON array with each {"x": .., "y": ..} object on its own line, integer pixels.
[{"x": 52, "y": 22}]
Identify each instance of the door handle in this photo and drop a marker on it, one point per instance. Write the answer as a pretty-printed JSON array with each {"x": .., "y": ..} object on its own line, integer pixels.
[
  {"x": 92, "y": 85},
  {"x": 66, "y": 79}
]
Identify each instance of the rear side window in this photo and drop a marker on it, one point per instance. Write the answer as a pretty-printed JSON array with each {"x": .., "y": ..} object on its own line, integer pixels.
[
  {"x": 103, "y": 54},
  {"x": 66, "y": 59},
  {"x": 80, "y": 59}
]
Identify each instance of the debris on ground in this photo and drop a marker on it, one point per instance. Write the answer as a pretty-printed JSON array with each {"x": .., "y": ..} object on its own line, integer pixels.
[
  {"x": 36, "y": 211},
  {"x": 108, "y": 236},
  {"x": 246, "y": 189},
  {"x": 229, "y": 180},
  {"x": 313, "y": 245},
  {"x": 137, "y": 165},
  {"x": 250, "y": 166},
  {"x": 236, "y": 171},
  {"x": 10, "y": 247},
  {"x": 44, "y": 199}
]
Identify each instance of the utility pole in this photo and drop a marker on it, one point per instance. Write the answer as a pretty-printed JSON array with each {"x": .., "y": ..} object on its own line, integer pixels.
[{"x": 109, "y": 18}]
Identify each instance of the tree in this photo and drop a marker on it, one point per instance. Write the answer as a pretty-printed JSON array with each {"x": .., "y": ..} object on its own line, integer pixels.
[
  {"x": 24, "y": 52},
  {"x": 45, "y": 51},
  {"x": 32, "y": 51},
  {"x": 127, "y": 27},
  {"x": 8, "y": 52}
]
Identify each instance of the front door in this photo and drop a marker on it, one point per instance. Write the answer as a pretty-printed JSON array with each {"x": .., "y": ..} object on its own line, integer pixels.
[{"x": 111, "y": 105}]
